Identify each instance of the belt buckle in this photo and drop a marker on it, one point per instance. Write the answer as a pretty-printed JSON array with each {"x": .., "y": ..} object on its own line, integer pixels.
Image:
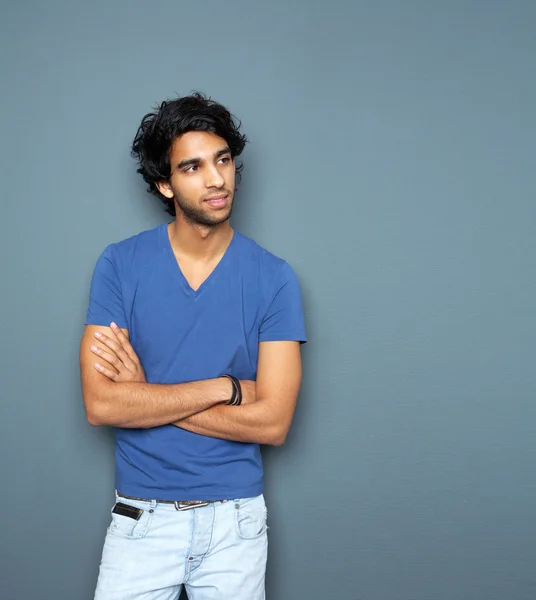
[{"x": 188, "y": 506}]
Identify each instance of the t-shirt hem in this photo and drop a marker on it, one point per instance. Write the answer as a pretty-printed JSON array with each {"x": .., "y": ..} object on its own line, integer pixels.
[
  {"x": 283, "y": 337},
  {"x": 106, "y": 322},
  {"x": 182, "y": 495}
]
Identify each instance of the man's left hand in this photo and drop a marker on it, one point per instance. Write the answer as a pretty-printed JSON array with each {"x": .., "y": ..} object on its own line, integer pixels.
[{"x": 120, "y": 355}]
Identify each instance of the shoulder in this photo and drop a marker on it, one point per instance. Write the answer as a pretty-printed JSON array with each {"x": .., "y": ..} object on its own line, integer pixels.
[
  {"x": 133, "y": 248},
  {"x": 143, "y": 241},
  {"x": 269, "y": 264},
  {"x": 265, "y": 272}
]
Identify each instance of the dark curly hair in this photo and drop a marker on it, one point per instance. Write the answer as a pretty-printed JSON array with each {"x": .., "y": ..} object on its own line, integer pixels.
[{"x": 172, "y": 118}]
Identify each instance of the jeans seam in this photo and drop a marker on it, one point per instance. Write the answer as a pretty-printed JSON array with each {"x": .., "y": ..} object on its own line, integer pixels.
[{"x": 187, "y": 569}]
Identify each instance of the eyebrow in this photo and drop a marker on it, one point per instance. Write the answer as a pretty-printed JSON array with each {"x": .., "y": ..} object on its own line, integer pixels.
[{"x": 188, "y": 162}]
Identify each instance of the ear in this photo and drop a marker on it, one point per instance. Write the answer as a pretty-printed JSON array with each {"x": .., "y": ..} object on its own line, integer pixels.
[{"x": 164, "y": 188}]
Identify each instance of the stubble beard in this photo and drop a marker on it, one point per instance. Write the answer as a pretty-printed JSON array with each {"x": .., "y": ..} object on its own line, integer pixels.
[{"x": 196, "y": 216}]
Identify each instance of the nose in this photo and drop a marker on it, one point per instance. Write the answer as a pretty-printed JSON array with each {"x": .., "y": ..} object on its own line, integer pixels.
[{"x": 214, "y": 178}]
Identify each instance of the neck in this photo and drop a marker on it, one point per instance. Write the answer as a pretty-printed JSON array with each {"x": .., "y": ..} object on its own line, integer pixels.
[{"x": 199, "y": 241}]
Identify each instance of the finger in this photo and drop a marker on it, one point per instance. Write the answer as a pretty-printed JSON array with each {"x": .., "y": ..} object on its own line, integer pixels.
[
  {"x": 117, "y": 349},
  {"x": 108, "y": 341},
  {"x": 124, "y": 341},
  {"x": 107, "y": 372},
  {"x": 107, "y": 356}
]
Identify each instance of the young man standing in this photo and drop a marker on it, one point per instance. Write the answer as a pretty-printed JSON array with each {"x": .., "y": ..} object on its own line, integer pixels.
[{"x": 191, "y": 351}]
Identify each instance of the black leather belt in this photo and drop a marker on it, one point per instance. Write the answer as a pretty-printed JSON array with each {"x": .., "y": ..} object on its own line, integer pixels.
[{"x": 184, "y": 505}]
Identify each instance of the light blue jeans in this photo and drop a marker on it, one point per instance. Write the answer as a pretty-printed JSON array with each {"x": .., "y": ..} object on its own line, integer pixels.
[{"x": 218, "y": 552}]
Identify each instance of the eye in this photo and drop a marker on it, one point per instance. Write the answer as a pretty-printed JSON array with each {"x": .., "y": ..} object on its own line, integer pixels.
[
  {"x": 225, "y": 159},
  {"x": 191, "y": 169}
]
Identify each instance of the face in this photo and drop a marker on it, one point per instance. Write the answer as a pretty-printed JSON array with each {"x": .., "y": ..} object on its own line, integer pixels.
[{"x": 202, "y": 181}]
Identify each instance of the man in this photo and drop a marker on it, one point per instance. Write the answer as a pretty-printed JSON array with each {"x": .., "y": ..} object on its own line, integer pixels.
[{"x": 191, "y": 351}]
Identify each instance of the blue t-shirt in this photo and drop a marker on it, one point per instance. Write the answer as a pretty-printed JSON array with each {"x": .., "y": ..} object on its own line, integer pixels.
[{"x": 182, "y": 335}]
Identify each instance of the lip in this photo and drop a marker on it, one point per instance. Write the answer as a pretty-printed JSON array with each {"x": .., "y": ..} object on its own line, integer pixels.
[
  {"x": 217, "y": 201},
  {"x": 220, "y": 197}
]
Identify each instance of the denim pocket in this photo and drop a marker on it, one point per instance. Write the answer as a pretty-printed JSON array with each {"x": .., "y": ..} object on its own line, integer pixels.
[
  {"x": 128, "y": 527},
  {"x": 251, "y": 517}
]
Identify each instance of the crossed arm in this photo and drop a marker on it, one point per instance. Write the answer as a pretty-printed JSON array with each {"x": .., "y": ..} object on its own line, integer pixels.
[{"x": 116, "y": 393}]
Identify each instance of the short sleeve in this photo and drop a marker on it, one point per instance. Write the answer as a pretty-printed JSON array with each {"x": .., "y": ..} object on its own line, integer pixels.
[
  {"x": 284, "y": 319},
  {"x": 105, "y": 296}
]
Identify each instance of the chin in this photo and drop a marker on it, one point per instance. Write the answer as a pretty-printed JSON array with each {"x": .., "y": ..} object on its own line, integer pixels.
[
  {"x": 221, "y": 218},
  {"x": 213, "y": 221}
]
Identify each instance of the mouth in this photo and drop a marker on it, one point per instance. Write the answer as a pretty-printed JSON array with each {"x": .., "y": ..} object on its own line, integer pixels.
[{"x": 217, "y": 201}]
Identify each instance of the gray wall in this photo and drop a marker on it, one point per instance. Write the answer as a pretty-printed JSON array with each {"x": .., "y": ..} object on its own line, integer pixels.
[{"x": 392, "y": 163}]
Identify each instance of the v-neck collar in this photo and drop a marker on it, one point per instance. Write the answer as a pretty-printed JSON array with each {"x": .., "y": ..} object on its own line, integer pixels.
[{"x": 168, "y": 249}]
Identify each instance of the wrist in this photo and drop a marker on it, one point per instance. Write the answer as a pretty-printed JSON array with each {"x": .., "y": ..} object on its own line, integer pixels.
[
  {"x": 224, "y": 391},
  {"x": 236, "y": 394}
]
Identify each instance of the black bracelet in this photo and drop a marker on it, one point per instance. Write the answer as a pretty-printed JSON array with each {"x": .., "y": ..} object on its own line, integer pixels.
[
  {"x": 236, "y": 398},
  {"x": 233, "y": 396},
  {"x": 238, "y": 392}
]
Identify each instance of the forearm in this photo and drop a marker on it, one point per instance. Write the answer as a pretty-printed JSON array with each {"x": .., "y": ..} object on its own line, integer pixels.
[
  {"x": 253, "y": 423},
  {"x": 144, "y": 405}
]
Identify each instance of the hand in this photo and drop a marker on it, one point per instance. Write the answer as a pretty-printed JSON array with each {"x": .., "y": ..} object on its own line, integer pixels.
[{"x": 121, "y": 357}]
